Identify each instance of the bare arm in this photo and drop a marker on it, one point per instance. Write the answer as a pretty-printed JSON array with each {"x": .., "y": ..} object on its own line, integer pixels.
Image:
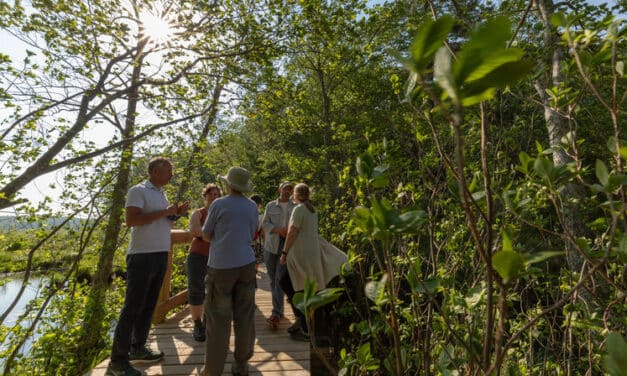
[
  {"x": 195, "y": 227},
  {"x": 292, "y": 233}
]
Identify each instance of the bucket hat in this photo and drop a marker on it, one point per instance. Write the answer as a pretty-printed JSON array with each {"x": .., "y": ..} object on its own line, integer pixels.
[{"x": 238, "y": 178}]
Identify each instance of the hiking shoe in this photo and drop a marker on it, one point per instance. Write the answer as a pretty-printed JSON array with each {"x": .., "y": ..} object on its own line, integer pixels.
[
  {"x": 199, "y": 331},
  {"x": 145, "y": 355},
  {"x": 241, "y": 370},
  {"x": 273, "y": 322},
  {"x": 126, "y": 370},
  {"x": 300, "y": 335},
  {"x": 296, "y": 326}
]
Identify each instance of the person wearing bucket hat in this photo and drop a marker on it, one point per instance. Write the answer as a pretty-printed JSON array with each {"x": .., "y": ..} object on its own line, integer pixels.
[
  {"x": 230, "y": 226},
  {"x": 238, "y": 179},
  {"x": 275, "y": 220}
]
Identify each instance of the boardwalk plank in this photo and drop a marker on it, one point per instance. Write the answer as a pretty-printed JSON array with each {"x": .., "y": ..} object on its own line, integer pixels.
[{"x": 275, "y": 354}]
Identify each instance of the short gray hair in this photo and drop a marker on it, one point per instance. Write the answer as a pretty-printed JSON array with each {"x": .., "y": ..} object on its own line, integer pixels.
[{"x": 157, "y": 163}]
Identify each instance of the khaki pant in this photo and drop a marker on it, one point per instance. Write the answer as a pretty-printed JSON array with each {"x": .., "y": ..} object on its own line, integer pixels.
[{"x": 230, "y": 296}]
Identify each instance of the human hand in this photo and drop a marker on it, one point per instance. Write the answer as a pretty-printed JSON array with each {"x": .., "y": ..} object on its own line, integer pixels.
[
  {"x": 283, "y": 259},
  {"x": 171, "y": 210},
  {"x": 183, "y": 208}
]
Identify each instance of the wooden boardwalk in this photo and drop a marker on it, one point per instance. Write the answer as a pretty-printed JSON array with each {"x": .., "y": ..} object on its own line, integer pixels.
[{"x": 275, "y": 353}]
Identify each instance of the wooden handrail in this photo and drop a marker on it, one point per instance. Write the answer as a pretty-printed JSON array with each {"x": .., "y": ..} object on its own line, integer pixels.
[{"x": 166, "y": 302}]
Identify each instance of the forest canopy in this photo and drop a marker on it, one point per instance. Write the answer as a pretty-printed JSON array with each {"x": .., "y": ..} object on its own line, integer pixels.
[{"x": 469, "y": 156}]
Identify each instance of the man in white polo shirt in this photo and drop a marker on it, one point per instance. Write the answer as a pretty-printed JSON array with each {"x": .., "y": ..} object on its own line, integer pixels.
[{"x": 150, "y": 217}]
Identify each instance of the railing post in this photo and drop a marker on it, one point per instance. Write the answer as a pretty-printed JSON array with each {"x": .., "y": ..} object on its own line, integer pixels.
[{"x": 164, "y": 302}]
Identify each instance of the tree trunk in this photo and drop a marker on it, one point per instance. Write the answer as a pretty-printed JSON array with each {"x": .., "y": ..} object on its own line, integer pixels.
[
  {"x": 95, "y": 329},
  {"x": 558, "y": 128}
]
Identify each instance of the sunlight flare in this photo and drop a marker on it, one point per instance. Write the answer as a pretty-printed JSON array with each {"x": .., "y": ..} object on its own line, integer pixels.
[{"x": 158, "y": 29}]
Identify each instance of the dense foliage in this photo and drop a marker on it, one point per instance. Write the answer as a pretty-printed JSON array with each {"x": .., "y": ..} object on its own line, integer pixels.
[{"x": 469, "y": 156}]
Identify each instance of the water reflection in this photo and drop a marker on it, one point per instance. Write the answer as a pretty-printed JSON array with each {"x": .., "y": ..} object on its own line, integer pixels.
[{"x": 8, "y": 292}]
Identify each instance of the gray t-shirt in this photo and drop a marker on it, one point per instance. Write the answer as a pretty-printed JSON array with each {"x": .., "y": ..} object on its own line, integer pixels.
[
  {"x": 154, "y": 236},
  {"x": 232, "y": 222}
]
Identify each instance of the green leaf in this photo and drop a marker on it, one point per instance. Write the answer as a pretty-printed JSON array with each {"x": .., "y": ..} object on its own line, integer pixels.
[
  {"x": 384, "y": 217},
  {"x": 503, "y": 75},
  {"x": 617, "y": 181},
  {"x": 320, "y": 299},
  {"x": 380, "y": 177},
  {"x": 474, "y": 297},
  {"x": 429, "y": 37},
  {"x": 363, "y": 219},
  {"x": 443, "y": 74},
  {"x": 469, "y": 100},
  {"x": 410, "y": 221},
  {"x": 413, "y": 274},
  {"x": 508, "y": 264},
  {"x": 485, "y": 44},
  {"x": 507, "y": 242},
  {"x": 601, "y": 172},
  {"x": 365, "y": 165},
  {"x": 611, "y": 145},
  {"x": 363, "y": 353},
  {"x": 616, "y": 359},
  {"x": 375, "y": 290},
  {"x": 479, "y": 195},
  {"x": 310, "y": 299},
  {"x": 525, "y": 162},
  {"x": 365, "y": 358},
  {"x": 544, "y": 168},
  {"x": 428, "y": 285},
  {"x": 488, "y": 66},
  {"x": 559, "y": 20},
  {"x": 493, "y": 34},
  {"x": 541, "y": 256}
]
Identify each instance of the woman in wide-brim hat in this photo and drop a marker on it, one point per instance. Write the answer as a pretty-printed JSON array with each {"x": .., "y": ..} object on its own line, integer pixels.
[{"x": 238, "y": 178}]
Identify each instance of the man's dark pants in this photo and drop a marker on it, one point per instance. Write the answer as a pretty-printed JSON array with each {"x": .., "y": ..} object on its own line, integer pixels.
[{"x": 144, "y": 278}]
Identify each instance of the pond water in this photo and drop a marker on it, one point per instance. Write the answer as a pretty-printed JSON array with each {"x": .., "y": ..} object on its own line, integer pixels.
[{"x": 8, "y": 292}]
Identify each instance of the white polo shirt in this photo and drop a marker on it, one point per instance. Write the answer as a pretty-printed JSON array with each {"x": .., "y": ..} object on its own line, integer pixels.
[{"x": 154, "y": 236}]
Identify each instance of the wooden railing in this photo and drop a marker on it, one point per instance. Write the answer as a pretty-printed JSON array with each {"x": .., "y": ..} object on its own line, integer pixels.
[{"x": 166, "y": 302}]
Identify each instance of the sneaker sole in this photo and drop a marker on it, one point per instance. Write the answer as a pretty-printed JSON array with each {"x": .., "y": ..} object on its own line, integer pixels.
[{"x": 145, "y": 361}]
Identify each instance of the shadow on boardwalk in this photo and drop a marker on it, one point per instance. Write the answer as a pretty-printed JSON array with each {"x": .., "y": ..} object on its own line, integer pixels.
[{"x": 275, "y": 353}]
